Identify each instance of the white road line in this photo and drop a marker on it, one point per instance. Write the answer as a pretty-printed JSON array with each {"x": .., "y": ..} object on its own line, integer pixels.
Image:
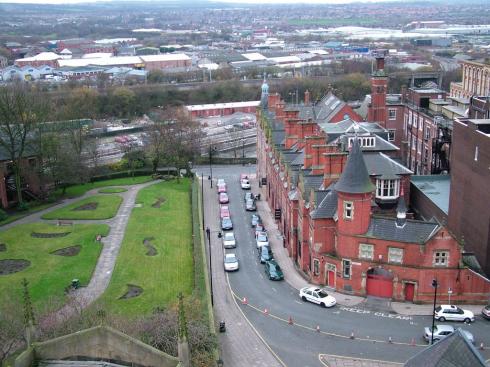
[
  {"x": 298, "y": 302},
  {"x": 274, "y": 289}
]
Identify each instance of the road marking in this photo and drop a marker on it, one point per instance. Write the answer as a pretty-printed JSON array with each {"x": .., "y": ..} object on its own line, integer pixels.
[
  {"x": 378, "y": 314},
  {"x": 274, "y": 289},
  {"x": 298, "y": 302}
]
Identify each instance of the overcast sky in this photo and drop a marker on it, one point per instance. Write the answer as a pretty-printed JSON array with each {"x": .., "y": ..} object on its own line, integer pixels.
[{"x": 229, "y": 1}]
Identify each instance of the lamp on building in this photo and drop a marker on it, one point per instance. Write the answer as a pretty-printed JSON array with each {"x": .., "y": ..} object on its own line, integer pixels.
[{"x": 434, "y": 285}]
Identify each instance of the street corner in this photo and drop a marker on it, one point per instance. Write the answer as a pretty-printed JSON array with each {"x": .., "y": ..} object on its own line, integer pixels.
[{"x": 330, "y": 360}]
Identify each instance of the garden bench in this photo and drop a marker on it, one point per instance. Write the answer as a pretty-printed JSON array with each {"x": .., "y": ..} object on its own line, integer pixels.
[{"x": 65, "y": 223}]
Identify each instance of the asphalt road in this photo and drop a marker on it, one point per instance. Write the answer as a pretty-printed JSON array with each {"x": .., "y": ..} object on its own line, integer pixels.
[{"x": 300, "y": 344}]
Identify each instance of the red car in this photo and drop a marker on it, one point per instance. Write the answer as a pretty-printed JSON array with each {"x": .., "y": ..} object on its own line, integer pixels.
[
  {"x": 224, "y": 211},
  {"x": 223, "y": 198},
  {"x": 221, "y": 188}
]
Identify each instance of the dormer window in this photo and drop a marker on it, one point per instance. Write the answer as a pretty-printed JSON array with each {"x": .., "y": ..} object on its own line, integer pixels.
[
  {"x": 387, "y": 189},
  {"x": 364, "y": 141}
]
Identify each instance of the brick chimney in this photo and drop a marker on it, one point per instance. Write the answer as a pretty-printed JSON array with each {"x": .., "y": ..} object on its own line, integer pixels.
[
  {"x": 314, "y": 148},
  {"x": 273, "y": 99},
  {"x": 290, "y": 127},
  {"x": 333, "y": 162}
]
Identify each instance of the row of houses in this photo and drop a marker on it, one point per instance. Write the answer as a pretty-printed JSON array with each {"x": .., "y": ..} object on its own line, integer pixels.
[{"x": 342, "y": 200}]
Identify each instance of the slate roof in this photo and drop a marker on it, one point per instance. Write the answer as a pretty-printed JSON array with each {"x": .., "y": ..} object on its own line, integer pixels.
[
  {"x": 355, "y": 178},
  {"x": 380, "y": 145},
  {"x": 334, "y": 130},
  {"x": 278, "y": 136},
  {"x": 327, "y": 207},
  {"x": 299, "y": 160},
  {"x": 414, "y": 231},
  {"x": 382, "y": 166},
  {"x": 453, "y": 351}
]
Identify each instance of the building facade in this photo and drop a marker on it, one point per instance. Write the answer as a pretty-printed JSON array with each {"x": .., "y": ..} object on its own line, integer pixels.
[
  {"x": 340, "y": 202},
  {"x": 469, "y": 214},
  {"x": 475, "y": 80}
]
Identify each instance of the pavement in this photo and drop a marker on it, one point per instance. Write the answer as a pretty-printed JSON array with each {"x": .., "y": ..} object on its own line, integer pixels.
[
  {"x": 241, "y": 344},
  {"x": 294, "y": 276},
  {"x": 339, "y": 361}
]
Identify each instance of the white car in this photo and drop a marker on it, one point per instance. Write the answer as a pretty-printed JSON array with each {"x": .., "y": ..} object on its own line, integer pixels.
[
  {"x": 453, "y": 313},
  {"x": 229, "y": 240},
  {"x": 245, "y": 184},
  {"x": 221, "y": 181},
  {"x": 230, "y": 262},
  {"x": 262, "y": 239},
  {"x": 318, "y": 296}
]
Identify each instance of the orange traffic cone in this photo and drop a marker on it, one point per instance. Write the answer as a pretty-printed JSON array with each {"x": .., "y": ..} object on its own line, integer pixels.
[
  {"x": 290, "y": 322},
  {"x": 266, "y": 311},
  {"x": 244, "y": 301},
  {"x": 412, "y": 343},
  {"x": 318, "y": 328},
  {"x": 352, "y": 334}
]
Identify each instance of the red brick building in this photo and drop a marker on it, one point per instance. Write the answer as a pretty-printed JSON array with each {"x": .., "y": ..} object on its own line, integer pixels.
[
  {"x": 222, "y": 109},
  {"x": 469, "y": 214},
  {"x": 343, "y": 215}
]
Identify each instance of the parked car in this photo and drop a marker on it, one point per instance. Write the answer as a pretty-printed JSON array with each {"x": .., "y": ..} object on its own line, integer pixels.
[
  {"x": 230, "y": 262},
  {"x": 259, "y": 228},
  {"x": 229, "y": 240},
  {"x": 248, "y": 196},
  {"x": 318, "y": 296},
  {"x": 256, "y": 220},
  {"x": 224, "y": 211},
  {"x": 226, "y": 223},
  {"x": 221, "y": 188},
  {"x": 265, "y": 254},
  {"x": 221, "y": 181},
  {"x": 485, "y": 312},
  {"x": 453, "y": 313},
  {"x": 250, "y": 205},
  {"x": 262, "y": 240},
  {"x": 273, "y": 270},
  {"x": 223, "y": 198},
  {"x": 443, "y": 331},
  {"x": 245, "y": 184}
]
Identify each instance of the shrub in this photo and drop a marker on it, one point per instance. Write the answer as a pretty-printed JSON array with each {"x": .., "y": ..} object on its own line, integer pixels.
[
  {"x": 23, "y": 206},
  {"x": 3, "y": 215}
]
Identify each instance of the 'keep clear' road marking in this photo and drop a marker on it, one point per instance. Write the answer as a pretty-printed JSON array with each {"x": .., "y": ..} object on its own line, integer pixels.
[{"x": 377, "y": 313}]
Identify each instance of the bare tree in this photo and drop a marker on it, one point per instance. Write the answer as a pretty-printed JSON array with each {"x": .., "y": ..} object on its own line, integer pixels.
[
  {"x": 20, "y": 111},
  {"x": 11, "y": 329}
]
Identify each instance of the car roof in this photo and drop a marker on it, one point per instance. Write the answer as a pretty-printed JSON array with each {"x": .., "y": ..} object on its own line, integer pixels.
[
  {"x": 445, "y": 328},
  {"x": 229, "y": 234},
  {"x": 232, "y": 255}
]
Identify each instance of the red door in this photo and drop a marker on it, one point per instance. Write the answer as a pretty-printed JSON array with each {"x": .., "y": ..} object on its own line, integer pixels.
[
  {"x": 331, "y": 279},
  {"x": 409, "y": 291},
  {"x": 379, "y": 283}
]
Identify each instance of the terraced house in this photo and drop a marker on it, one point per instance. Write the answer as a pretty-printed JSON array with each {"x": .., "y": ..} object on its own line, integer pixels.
[{"x": 340, "y": 201}]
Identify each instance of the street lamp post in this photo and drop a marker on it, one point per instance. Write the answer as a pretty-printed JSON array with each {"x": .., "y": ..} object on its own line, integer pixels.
[
  {"x": 211, "y": 165},
  {"x": 434, "y": 285}
]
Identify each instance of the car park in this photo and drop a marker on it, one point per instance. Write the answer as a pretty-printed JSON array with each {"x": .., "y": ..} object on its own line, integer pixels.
[
  {"x": 443, "y": 331},
  {"x": 255, "y": 220},
  {"x": 224, "y": 211},
  {"x": 229, "y": 240},
  {"x": 262, "y": 240},
  {"x": 485, "y": 312},
  {"x": 273, "y": 270},
  {"x": 223, "y": 198},
  {"x": 250, "y": 205},
  {"x": 453, "y": 313},
  {"x": 226, "y": 223},
  {"x": 230, "y": 262},
  {"x": 265, "y": 254},
  {"x": 318, "y": 296}
]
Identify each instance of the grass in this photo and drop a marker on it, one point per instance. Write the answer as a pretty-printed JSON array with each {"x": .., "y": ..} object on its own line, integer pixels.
[
  {"x": 112, "y": 190},
  {"x": 107, "y": 208},
  {"x": 49, "y": 274},
  {"x": 163, "y": 276},
  {"x": 79, "y": 190}
]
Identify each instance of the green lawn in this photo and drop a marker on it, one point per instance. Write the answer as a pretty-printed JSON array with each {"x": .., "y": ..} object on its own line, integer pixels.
[
  {"x": 112, "y": 190},
  {"x": 107, "y": 206},
  {"x": 21, "y": 214},
  {"x": 79, "y": 190},
  {"x": 163, "y": 276},
  {"x": 49, "y": 274}
]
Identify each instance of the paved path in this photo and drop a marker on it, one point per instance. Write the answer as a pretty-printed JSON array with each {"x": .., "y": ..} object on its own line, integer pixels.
[
  {"x": 241, "y": 345},
  {"x": 111, "y": 245}
]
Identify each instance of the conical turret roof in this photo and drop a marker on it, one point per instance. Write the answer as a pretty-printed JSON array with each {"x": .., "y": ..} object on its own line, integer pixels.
[{"x": 355, "y": 178}]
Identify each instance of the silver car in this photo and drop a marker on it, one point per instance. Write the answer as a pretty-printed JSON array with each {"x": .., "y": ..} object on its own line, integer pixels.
[
  {"x": 229, "y": 240},
  {"x": 231, "y": 262},
  {"x": 443, "y": 331}
]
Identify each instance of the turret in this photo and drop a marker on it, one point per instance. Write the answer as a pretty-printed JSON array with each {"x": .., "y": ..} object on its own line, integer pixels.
[
  {"x": 264, "y": 98},
  {"x": 354, "y": 190}
]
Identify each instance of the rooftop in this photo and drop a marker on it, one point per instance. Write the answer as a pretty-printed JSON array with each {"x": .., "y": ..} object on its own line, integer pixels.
[{"x": 436, "y": 188}]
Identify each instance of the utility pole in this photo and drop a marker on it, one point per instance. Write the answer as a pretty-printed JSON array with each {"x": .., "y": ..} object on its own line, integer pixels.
[{"x": 434, "y": 285}]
